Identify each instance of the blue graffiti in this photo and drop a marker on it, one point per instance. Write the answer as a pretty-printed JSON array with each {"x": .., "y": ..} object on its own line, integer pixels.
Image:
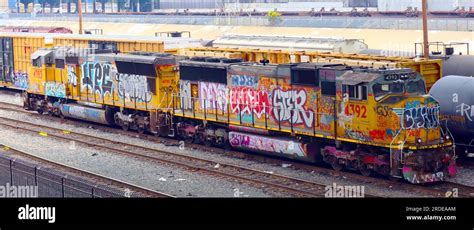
[
  {"x": 20, "y": 80},
  {"x": 97, "y": 78},
  {"x": 244, "y": 80}
]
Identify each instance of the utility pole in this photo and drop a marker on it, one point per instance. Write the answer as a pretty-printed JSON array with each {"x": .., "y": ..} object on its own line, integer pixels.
[
  {"x": 79, "y": 8},
  {"x": 426, "y": 46}
]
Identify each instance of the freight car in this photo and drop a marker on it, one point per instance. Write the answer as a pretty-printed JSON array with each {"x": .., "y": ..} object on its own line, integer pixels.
[
  {"x": 456, "y": 99},
  {"x": 16, "y": 50},
  {"x": 372, "y": 120}
]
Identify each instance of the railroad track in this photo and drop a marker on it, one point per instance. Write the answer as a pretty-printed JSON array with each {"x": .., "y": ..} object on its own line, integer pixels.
[
  {"x": 267, "y": 180},
  {"x": 120, "y": 185},
  {"x": 435, "y": 191}
]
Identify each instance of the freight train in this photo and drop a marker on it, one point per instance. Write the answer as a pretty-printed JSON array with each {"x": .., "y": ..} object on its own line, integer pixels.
[{"x": 376, "y": 121}]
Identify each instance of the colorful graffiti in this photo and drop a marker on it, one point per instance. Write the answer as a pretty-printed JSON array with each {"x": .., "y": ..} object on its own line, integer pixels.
[
  {"x": 357, "y": 135},
  {"x": 247, "y": 100},
  {"x": 261, "y": 143},
  {"x": 133, "y": 87},
  {"x": 213, "y": 96},
  {"x": 20, "y": 80},
  {"x": 421, "y": 117},
  {"x": 71, "y": 75},
  {"x": 55, "y": 89},
  {"x": 97, "y": 78},
  {"x": 289, "y": 106}
]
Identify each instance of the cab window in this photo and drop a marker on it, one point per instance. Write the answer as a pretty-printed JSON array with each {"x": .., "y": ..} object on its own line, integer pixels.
[
  {"x": 381, "y": 90},
  {"x": 356, "y": 92}
]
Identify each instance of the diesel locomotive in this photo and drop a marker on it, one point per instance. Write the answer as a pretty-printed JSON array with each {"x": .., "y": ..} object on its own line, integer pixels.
[{"x": 375, "y": 121}]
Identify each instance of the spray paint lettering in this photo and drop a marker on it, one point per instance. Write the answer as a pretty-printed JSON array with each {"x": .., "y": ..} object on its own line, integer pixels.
[
  {"x": 97, "y": 78},
  {"x": 421, "y": 117},
  {"x": 247, "y": 100},
  {"x": 185, "y": 93},
  {"x": 133, "y": 87},
  {"x": 213, "y": 96},
  {"x": 465, "y": 110},
  {"x": 20, "y": 80},
  {"x": 289, "y": 106},
  {"x": 55, "y": 89},
  {"x": 261, "y": 143},
  {"x": 243, "y": 80},
  {"x": 71, "y": 75}
]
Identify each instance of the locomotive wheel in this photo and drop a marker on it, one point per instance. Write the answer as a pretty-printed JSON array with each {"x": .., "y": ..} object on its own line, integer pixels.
[
  {"x": 335, "y": 165},
  {"x": 141, "y": 130},
  {"x": 126, "y": 126},
  {"x": 189, "y": 139},
  {"x": 207, "y": 142},
  {"x": 364, "y": 170},
  {"x": 40, "y": 111}
]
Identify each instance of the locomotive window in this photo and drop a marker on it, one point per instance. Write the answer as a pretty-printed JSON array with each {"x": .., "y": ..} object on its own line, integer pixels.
[
  {"x": 60, "y": 63},
  {"x": 304, "y": 77},
  {"x": 356, "y": 92},
  {"x": 416, "y": 87},
  {"x": 328, "y": 88},
  {"x": 380, "y": 90},
  {"x": 37, "y": 62}
]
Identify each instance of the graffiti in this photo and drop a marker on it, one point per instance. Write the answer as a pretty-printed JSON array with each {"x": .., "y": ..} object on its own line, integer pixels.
[
  {"x": 247, "y": 100},
  {"x": 213, "y": 96},
  {"x": 97, "y": 78},
  {"x": 383, "y": 110},
  {"x": 357, "y": 135},
  {"x": 168, "y": 86},
  {"x": 289, "y": 106},
  {"x": 20, "y": 80},
  {"x": 185, "y": 92},
  {"x": 133, "y": 87},
  {"x": 465, "y": 110},
  {"x": 71, "y": 75},
  {"x": 421, "y": 117},
  {"x": 260, "y": 143},
  {"x": 55, "y": 89},
  {"x": 377, "y": 134},
  {"x": 243, "y": 80},
  {"x": 416, "y": 177}
]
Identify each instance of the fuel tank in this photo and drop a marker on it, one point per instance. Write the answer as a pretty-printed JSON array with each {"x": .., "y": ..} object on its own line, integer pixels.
[{"x": 101, "y": 116}]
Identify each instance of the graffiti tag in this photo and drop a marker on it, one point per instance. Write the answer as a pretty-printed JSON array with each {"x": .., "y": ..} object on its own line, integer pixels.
[{"x": 289, "y": 106}]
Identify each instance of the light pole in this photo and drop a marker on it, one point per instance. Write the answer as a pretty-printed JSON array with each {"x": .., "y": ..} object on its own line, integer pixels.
[
  {"x": 426, "y": 46},
  {"x": 79, "y": 8}
]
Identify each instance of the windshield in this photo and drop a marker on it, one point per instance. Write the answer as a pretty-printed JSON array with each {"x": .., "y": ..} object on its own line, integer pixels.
[
  {"x": 380, "y": 90},
  {"x": 416, "y": 87},
  {"x": 411, "y": 87}
]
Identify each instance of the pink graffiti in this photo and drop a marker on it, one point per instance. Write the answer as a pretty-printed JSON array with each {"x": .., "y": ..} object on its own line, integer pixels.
[
  {"x": 289, "y": 106},
  {"x": 213, "y": 95},
  {"x": 247, "y": 100},
  {"x": 262, "y": 143}
]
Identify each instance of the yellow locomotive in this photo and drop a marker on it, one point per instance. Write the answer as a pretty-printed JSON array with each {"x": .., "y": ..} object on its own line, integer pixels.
[{"x": 371, "y": 120}]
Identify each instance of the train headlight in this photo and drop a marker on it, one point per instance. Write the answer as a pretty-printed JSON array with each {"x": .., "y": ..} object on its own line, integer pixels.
[
  {"x": 447, "y": 137},
  {"x": 418, "y": 141}
]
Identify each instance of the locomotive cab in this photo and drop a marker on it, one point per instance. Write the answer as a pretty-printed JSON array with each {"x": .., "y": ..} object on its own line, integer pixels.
[{"x": 401, "y": 117}]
